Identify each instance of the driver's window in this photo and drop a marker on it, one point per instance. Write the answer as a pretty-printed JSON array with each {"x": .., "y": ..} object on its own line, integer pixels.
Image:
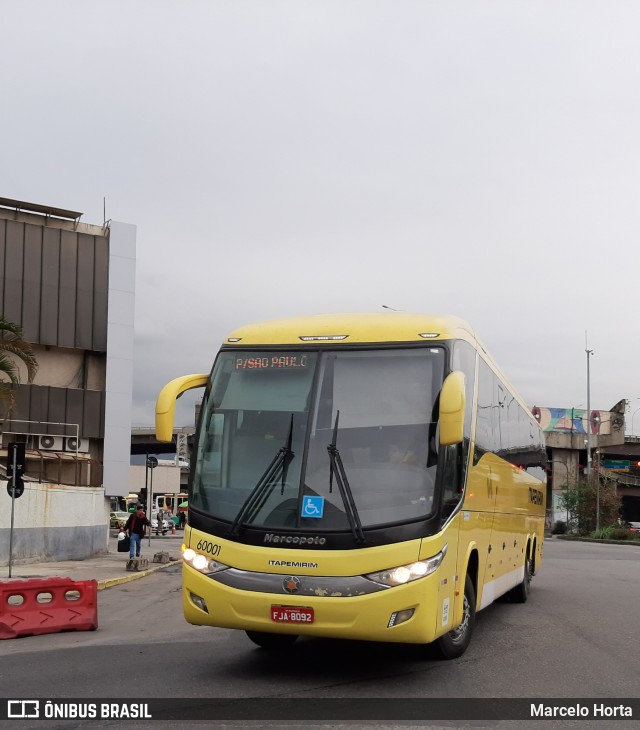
[
  {"x": 451, "y": 479},
  {"x": 212, "y": 452}
]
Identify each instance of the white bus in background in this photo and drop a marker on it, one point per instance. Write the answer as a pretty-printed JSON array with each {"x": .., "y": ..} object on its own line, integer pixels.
[{"x": 169, "y": 502}]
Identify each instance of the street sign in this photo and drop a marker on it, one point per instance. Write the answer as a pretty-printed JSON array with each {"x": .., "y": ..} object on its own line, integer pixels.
[
  {"x": 16, "y": 458},
  {"x": 18, "y": 491},
  {"x": 152, "y": 462},
  {"x": 616, "y": 464},
  {"x": 16, "y": 465}
]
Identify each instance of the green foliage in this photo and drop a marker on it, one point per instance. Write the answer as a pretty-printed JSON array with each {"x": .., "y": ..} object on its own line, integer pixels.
[
  {"x": 620, "y": 533},
  {"x": 613, "y": 532},
  {"x": 581, "y": 499},
  {"x": 13, "y": 351},
  {"x": 559, "y": 527}
]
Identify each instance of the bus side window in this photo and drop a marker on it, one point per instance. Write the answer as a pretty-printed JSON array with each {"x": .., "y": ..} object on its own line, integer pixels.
[{"x": 451, "y": 479}]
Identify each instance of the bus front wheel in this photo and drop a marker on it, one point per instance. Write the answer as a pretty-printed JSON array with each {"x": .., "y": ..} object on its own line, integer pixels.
[
  {"x": 269, "y": 641},
  {"x": 454, "y": 643}
]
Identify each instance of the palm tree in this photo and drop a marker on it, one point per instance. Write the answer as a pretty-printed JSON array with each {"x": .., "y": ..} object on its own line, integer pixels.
[{"x": 13, "y": 347}]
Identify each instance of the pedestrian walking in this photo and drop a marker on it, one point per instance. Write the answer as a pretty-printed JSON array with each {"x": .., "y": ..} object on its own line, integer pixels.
[{"x": 135, "y": 527}]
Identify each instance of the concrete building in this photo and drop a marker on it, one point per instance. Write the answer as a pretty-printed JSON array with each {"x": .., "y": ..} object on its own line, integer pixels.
[
  {"x": 570, "y": 434},
  {"x": 71, "y": 286}
]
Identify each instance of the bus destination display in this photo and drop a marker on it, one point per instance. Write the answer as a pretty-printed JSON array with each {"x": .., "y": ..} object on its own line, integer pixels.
[{"x": 271, "y": 362}]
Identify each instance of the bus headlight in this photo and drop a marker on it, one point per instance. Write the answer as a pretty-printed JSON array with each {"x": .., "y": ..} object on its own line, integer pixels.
[
  {"x": 201, "y": 562},
  {"x": 406, "y": 573}
]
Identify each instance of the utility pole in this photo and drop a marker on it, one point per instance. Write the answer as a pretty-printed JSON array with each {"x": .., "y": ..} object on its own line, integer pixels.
[
  {"x": 151, "y": 463},
  {"x": 588, "y": 470}
]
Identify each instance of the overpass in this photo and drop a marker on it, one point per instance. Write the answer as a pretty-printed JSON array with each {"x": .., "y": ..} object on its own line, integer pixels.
[
  {"x": 615, "y": 456},
  {"x": 144, "y": 441},
  {"x": 621, "y": 464}
]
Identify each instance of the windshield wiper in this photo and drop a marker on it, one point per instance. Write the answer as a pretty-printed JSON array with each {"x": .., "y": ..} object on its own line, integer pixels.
[
  {"x": 262, "y": 491},
  {"x": 336, "y": 468}
]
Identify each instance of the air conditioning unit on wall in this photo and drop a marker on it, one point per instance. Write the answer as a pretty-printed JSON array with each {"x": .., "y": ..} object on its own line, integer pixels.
[
  {"x": 49, "y": 443},
  {"x": 71, "y": 443}
]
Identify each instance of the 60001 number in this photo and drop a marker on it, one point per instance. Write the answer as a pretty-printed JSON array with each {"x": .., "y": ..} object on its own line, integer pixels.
[{"x": 208, "y": 547}]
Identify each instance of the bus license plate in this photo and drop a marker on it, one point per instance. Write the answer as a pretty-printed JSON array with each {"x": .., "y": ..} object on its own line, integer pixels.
[{"x": 291, "y": 615}]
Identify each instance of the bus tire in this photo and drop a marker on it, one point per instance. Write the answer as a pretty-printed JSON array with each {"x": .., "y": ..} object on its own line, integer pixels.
[
  {"x": 270, "y": 641},
  {"x": 454, "y": 643},
  {"x": 520, "y": 593}
]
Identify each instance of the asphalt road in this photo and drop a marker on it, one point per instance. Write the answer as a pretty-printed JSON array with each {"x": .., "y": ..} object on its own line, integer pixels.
[{"x": 575, "y": 637}]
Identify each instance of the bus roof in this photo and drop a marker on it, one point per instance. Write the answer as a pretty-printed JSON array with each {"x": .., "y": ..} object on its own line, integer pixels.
[
  {"x": 363, "y": 328},
  {"x": 334, "y": 329}
]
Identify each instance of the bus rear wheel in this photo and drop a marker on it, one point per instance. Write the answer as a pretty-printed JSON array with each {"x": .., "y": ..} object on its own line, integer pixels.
[
  {"x": 454, "y": 643},
  {"x": 271, "y": 642}
]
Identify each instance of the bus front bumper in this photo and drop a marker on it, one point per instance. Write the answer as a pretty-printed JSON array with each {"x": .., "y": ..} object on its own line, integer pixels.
[{"x": 405, "y": 613}]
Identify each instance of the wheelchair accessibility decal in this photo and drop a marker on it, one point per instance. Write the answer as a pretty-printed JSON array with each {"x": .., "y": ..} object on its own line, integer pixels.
[{"x": 312, "y": 507}]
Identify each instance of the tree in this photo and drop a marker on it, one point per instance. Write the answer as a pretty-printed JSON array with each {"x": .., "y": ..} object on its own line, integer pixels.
[
  {"x": 13, "y": 351},
  {"x": 581, "y": 500}
]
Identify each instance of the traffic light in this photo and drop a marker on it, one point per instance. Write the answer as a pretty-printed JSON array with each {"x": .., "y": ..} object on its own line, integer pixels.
[{"x": 15, "y": 456}]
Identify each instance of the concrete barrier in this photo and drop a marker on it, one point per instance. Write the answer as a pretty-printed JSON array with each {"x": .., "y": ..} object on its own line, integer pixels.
[{"x": 136, "y": 564}]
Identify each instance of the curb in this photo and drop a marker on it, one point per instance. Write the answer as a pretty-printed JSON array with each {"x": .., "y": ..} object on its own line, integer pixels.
[
  {"x": 110, "y": 582},
  {"x": 575, "y": 538}
]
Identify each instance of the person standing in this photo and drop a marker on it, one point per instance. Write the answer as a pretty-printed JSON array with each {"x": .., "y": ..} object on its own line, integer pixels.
[
  {"x": 161, "y": 527},
  {"x": 135, "y": 527}
]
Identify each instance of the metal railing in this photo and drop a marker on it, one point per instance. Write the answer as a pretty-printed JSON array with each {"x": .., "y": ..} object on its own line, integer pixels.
[{"x": 53, "y": 467}]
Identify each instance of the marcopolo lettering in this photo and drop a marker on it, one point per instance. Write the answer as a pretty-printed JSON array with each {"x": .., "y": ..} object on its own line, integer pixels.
[{"x": 294, "y": 539}]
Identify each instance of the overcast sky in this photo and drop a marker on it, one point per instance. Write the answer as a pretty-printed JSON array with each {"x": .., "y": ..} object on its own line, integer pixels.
[{"x": 290, "y": 157}]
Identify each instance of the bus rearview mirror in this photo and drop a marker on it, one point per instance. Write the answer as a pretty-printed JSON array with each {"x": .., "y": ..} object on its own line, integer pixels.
[
  {"x": 452, "y": 406},
  {"x": 166, "y": 403}
]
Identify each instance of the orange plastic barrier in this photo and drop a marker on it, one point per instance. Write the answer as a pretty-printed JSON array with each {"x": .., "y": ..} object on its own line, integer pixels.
[{"x": 47, "y": 606}]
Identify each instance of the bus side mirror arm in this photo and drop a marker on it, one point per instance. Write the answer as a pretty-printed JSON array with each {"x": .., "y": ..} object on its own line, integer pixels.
[
  {"x": 452, "y": 407},
  {"x": 166, "y": 403}
]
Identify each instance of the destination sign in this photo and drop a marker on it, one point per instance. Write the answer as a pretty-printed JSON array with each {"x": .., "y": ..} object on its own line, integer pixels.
[{"x": 288, "y": 361}]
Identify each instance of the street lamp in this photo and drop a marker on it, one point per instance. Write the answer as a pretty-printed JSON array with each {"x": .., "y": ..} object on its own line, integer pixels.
[
  {"x": 589, "y": 353},
  {"x": 588, "y": 441}
]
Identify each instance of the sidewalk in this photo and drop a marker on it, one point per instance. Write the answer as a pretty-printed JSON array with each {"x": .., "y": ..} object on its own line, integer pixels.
[{"x": 108, "y": 569}]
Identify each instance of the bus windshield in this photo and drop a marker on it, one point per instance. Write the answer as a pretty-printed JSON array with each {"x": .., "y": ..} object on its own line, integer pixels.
[{"x": 274, "y": 422}]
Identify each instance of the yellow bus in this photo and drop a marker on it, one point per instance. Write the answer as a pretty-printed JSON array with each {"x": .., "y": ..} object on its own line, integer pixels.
[{"x": 358, "y": 476}]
